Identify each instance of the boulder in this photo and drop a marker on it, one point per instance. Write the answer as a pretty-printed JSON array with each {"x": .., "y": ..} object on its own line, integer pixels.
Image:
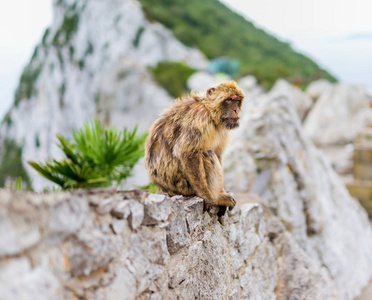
[
  {"x": 317, "y": 88},
  {"x": 339, "y": 115},
  {"x": 200, "y": 81},
  {"x": 301, "y": 101},
  {"x": 271, "y": 156},
  {"x": 248, "y": 83}
]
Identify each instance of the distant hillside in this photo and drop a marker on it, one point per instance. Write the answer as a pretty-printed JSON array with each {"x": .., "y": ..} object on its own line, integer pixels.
[{"x": 217, "y": 31}]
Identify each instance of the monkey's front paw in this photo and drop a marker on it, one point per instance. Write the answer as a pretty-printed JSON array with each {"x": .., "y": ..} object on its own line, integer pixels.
[
  {"x": 225, "y": 200},
  {"x": 208, "y": 205}
]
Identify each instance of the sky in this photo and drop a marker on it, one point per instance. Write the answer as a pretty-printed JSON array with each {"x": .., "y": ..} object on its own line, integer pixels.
[{"x": 337, "y": 34}]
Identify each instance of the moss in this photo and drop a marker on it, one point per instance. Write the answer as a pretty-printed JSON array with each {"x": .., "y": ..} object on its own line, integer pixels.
[
  {"x": 68, "y": 28},
  {"x": 137, "y": 38},
  {"x": 37, "y": 141},
  {"x": 26, "y": 86},
  {"x": 81, "y": 64},
  {"x": 45, "y": 36},
  {"x": 62, "y": 90},
  {"x": 89, "y": 49},
  {"x": 70, "y": 25},
  {"x": 7, "y": 120},
  {"x": 34, "y": 55},
  {"x": 11, "y": 162},
  {"x": 173, "y": 77},
  {"x": 60, "y": 58},
  {"x": 71, "y": 51}
]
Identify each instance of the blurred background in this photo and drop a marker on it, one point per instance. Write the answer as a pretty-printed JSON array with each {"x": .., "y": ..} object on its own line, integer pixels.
[
  {"x": 64, "y": 62},
  {"x": 335, "y": 34}
]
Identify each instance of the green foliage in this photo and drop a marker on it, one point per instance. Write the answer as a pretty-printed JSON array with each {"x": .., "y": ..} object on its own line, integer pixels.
[
  {"x": 7, "y": 119},
  {"x": 45, "y": 37},
  {"x": 173, "y": 77},
  {"x": 151, "y": 187},
  {"x": 138, "y": 36},
  {"x": 97, "y": 157},
  {"x": 11, "y": 166},
  {"x": 37, "y": 141},
  {"x": 26, "y": 86},
  {"x": 217, "y": 31},
  {"x": 68, "y": 28},
  {"x": 69, "y": 25}
]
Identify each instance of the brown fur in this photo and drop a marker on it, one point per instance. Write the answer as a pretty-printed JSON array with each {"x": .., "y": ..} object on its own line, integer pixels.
[{"x": 185, "y": 145}]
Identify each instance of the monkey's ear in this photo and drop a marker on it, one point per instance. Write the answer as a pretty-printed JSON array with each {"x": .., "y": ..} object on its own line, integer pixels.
[{"x": 210, "y": 91}]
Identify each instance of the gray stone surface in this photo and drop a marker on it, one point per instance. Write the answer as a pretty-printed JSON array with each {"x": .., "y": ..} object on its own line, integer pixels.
[
  {"x": 180, "y": 253},
  {"x": 301, "y": 100},
  {"x": 339, "y": 115},
  {"x": 298, "y": 183}
]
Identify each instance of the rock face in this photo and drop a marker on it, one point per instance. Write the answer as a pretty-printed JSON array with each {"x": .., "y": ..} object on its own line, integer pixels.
[
  {"x": 301, "y": 101},
  {"x": 299, "y": 185},
  {"x": 340, "y": 113},
  {"x": 132, "y": 245},
  {"x": 318, "y": 88},
  {"x": 92, "y": 62}
]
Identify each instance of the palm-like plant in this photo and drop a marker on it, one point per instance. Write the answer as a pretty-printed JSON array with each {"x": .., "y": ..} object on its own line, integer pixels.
[{"x": 97, "y": 157}]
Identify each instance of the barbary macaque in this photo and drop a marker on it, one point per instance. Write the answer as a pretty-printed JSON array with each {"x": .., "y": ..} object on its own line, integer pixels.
[{"x": 185, "y": 145}]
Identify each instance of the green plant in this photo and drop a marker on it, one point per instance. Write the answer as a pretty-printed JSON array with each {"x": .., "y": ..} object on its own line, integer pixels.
[
  {"x": 151, "y": 187},
  {"x": 218, "y": 31},
  {"x": 11, "y": 166},
  {"x": 96, "y": 157},
  {"x": 173, "y": 76}
]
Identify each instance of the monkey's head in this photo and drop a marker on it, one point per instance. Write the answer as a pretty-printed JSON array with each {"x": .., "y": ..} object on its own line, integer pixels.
[{"x": 225, "y": 102}]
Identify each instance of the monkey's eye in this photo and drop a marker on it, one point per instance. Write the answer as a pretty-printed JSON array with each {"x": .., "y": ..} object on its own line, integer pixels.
[{"x": 229, "y": 99}]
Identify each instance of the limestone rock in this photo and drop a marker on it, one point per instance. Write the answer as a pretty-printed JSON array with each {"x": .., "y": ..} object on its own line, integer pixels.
[
  {"x": 301, "y": 101},
  {"x": 248, "y": 83},
  {"x": 200, "y": 81},
  {"x": 318, "y": 88},
  {"x": 300, "y": 186},
  {"x": 339, "y": 115},
  {"x": 186, "y": 253}
]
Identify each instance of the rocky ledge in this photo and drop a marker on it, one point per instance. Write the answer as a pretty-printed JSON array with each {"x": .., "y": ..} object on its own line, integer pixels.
[{"x": 103, "y": 244}]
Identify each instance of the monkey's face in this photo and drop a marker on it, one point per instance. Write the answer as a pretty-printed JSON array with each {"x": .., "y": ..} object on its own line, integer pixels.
[{"x": 231, "y": 107}]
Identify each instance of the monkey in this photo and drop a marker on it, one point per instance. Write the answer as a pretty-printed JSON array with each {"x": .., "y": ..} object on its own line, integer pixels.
[{"x": 184, "y": 147}]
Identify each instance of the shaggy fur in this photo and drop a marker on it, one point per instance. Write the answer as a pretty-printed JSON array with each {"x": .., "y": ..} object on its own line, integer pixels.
[{"x": 185, "y": 145}]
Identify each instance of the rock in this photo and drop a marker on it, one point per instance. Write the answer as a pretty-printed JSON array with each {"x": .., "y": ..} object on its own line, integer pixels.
[
  {"x": 194, "y": 212},
  {"x": 248, "y": 83},
  {"x": 157, "y": 209},
  {"x": 179, "y": 251},
  {"x": 177, "y": 229},
  {"x": 200, "y": 81},
  {"x": 131, "y": 210},
  {"x": 301, "y": 100},
  {"x": 339, "y": 115},
  {"x": 20, "y": 280},
  {"x": 318, "y": 88},
  {"x": 302, "y": 189}
]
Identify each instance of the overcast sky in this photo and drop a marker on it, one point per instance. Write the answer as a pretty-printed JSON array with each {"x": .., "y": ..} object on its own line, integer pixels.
[{"x": 335, "y": 33}]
